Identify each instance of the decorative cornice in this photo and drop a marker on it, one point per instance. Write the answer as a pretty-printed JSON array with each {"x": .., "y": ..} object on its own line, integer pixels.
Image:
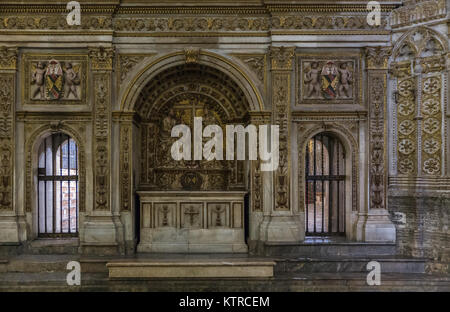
[{"x": 8, "y": 58}]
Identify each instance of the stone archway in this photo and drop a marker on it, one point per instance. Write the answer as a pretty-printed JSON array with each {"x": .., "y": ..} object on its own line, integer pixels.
[{"x": 188, "y": 206}]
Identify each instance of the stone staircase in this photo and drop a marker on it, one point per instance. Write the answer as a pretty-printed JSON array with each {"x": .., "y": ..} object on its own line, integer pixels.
[{"x": 338, "y": 273}]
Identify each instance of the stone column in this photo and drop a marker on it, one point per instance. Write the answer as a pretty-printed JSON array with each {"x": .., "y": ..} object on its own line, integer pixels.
[
  {"x": 101, "y": 225},
  {"x": 280, "y": 224},
  {"x": 378, "y": 227},
  {"x": 9, "y": 229}
]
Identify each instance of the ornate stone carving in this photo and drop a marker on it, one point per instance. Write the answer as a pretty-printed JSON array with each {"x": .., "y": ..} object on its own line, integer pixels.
[
  {"x": 192, "y": 55},
  {"x": 191, "y": 215},
  {"x": 102, "y": 125},
  {"x": 407, "y": 126},
  {"x": 377, "y": 144},
  {"x": 8, "y": 58},
  {"x": 281, "y": 104},
  {"x": 127, "y": 64},
  {"x": 418, "y": 11},
  {"x": 282, "y": 58},
  {"x": 324, "y": 79},
  {"x": 101, "y": 58},
  {"x": 125, "y": 165},
  {"x": 377, "y": 57},
  {"x": 54, "y": 22},
  {"x": 257, "y": 63},
  {"x": 431, "y": 126},
  {"x": 7, "y": 89},
  {"x": 54, "y": 79},
  {"x": 257, "y": 119}
]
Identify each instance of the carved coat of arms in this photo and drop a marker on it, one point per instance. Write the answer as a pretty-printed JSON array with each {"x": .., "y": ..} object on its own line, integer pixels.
[{"x": 329, "y": 80}]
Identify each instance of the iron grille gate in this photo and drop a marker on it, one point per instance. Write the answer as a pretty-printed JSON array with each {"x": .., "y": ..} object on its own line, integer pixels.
[
  {"x": 57, "y": 186},
  {"x": 325, "y": 186}
]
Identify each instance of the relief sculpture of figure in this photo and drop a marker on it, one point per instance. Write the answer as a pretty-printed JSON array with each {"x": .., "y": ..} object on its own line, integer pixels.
[
  {"x": 71, "y": 80},
  {"x": 345, "y": 80},
  {"x": 312, "y": 80},
  {"x": 38, "y": 78}
]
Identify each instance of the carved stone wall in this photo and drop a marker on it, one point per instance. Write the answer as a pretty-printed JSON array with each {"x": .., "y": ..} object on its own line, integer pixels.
[{"x": 7, "y": 101}]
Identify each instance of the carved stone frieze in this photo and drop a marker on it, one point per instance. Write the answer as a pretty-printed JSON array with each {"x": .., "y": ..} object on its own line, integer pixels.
[
  {"x": 418, "y": 11},
  {"x": 192, "y": 55}
]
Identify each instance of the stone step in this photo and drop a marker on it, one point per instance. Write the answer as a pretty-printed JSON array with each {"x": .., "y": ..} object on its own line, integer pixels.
[
  {"x": 190, "y": 269},
  {"x": 315, "y": 250},
  {"x": 282, "y": 283},
  {"x": 349, "y": 265}
]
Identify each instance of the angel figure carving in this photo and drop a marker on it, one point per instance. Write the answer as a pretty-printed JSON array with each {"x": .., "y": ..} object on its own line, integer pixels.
[
  {"x": 71, "y": 81},
  {"x": 38, "y": 78}
]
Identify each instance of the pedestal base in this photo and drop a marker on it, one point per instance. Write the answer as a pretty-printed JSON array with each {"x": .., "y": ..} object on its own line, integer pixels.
[{"x": 378, "y": 227}]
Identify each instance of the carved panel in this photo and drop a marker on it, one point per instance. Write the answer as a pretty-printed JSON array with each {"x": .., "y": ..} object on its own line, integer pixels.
[
  {"x": 54, "y": 79},
  {"x": 415, "y": 11},
  {"x": 407, "y": 126},
  {"x": 328, "y": 80},
  {"x": 257, "y": 63},
  {"x": 431, "y": 125},
  {"x": 281, "y": 96},
  {"x": 125, "y": 166},
  {"x": 191, "y": 215},
  {"x": 165, "y": 214},
  {"x": 126, "y": 64},
  {"x": 218, "y": 215},
  {"x": 238, "y": 215},
  {"x": 377, "y": 141},
  {"x": 102, "y": 124},
  {"x": 8, "y": 58},
  {"x": 7, "y": 96}
]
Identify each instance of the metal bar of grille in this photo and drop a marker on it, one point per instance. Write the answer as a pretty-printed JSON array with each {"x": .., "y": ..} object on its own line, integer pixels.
[
  {"x": 60, "y": 183},
  {"x": 307, "y": 187},
  {"x": 338, "y": 199},
  {"x": 68, "y": 172},
  {"x": 76, "y": 187},
  {"x": 323, "y": 190},
  {"x": 315, "y": 169},
  {"x": 45, "y": 187}
]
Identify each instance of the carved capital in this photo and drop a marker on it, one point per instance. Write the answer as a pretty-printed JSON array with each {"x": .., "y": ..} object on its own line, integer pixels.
[
  {"x": 377, "y": 57},
  {"x": 281, "y": 58},
  {"x": 8, "y": 58},
  {"x": 192, "y": 55},
  {"x": 101, "y": 58}
]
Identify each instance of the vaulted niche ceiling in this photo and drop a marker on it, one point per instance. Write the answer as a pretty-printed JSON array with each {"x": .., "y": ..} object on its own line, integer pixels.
[
  {"x": 175, "y": 97},
  {"x": 207, "y": 85}
]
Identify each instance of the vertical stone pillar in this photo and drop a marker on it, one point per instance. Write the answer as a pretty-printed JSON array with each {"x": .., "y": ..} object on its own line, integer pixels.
[
  {"x": 378, "y": 227},
  {"x": 100, "y": 231},
  {"x": 282, "y": 225},
  {"x": 9, "y": 230}
]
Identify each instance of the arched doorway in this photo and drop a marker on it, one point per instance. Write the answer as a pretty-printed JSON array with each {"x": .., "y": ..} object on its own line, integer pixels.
[
  {"x": 190, "y": 205},
  {"x": 325, "y": 203}
]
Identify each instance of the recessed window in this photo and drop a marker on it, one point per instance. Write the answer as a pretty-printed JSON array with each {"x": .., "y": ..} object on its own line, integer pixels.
[
  {"x": 58, "y": 186},
  {"x": 325, "y": 186}
]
